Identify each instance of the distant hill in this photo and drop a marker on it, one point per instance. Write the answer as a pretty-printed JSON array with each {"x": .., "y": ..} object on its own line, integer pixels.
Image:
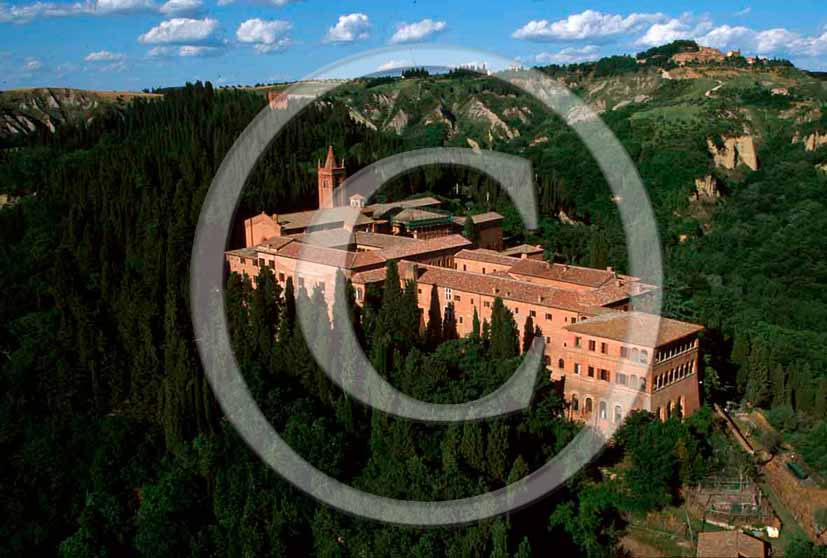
[{"x": 24, "y": 111}]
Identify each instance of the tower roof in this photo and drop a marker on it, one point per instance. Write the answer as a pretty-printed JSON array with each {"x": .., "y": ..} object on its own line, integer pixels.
[{"x": 330, "y": 162}]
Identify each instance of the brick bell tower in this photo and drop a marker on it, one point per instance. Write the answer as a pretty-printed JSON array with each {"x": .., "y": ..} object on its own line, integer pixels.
[{"x": 331, "y": 177}]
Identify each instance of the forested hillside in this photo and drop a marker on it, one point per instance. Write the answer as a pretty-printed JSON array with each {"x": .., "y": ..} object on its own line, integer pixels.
[{"x": 115, "y": 447}]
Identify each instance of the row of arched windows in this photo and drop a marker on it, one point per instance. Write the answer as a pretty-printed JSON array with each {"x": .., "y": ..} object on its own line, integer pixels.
[
  {"x": 587, "y": 408},
  {"x": 674, "y": 375}
]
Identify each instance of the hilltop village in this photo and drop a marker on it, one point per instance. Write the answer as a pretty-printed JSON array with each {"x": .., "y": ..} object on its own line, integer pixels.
[{"x": 594, "y": 343}]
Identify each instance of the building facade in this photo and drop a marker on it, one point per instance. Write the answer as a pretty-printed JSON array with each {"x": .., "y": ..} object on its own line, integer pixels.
[{"x": 610, "y": 360}]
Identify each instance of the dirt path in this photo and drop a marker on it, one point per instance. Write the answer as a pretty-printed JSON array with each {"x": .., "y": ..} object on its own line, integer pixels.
[{"x": 714, "y": 89}]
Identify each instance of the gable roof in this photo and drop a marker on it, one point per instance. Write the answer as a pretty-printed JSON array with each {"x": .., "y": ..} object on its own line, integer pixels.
[
  {"x": 318, "y": 217},
  {"x": 486, "y": 256},
  {"x": 480, "y": 218},
  {"x": 585, "y": 276},
  {"x": 637, "y": 328}
]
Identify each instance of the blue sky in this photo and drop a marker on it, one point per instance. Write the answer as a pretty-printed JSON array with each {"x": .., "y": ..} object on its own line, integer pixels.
[{"x": 133, "y": 44}]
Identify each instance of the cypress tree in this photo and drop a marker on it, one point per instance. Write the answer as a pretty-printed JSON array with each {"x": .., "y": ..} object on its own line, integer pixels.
[
  {"x": 433, "y": 331},
  {"x": 449, "y": 324},
  {"x": 475, "y": 326},
  {"x": 528, "y": 333},
  {"x": 504, "y": 336}
]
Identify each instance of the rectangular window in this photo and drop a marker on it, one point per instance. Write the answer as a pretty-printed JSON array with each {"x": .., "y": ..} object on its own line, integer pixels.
[
  {"x": 533, "y": 314},
  {"x": 517, "y": 310},
  {"x": 281, "y": 277},
  {"x": 592, "y": 344},
  {"x": 548, "y": 317},
  {"x": 457, "y": 298},
  {"x": 272, "y": 264},
  {"x": 261, "y": 262},
  {"x": 486, "y": 304},
  {"x": 604, "y": 375},
  {"x": 591, "y": 371},
  {"x": 460, "y": 319},
  {"x": 447, "y": 293},
  {"x": 604, "y": 348},
  {"x": 577, "y": 368},
  {"x": 358, "y": 294},
  {"x": 624, "y": 352},
  {"x": 621, "y": 379},
  {"x": 578, "y": 341}
]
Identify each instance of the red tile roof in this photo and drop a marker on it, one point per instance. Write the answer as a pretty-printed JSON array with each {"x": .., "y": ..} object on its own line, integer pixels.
[
  {"x": 523, "y": 249},
  {"x": 486, "y": 256},
  {"x": 317, "y": 217},
  {"x": 480, "y": 218},
  {"x": 585, "y": 276},
  {"x": 503, "y": 287},
  {"x": 637, "y": 328}
]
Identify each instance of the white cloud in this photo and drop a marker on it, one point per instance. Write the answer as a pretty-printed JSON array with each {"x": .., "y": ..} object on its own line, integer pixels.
[
  {"x": 419, "y": 31},
  {"x": 182, "y": 31},
  {"x": 277, "y": 3},
  {"x": 32, "y": 65},
  {"x": 746, "y": 10},
  {"x": 392, "y": 65},
  {"x": 777, "y": 41},
  {"x": 25, "y": 13},
  {"x": 123, "y": 6},
  {"x": 685, "y": 27},
  {"x": 349, "y": 28},
  {"x": 266, "y": 36},
  {"x": 114, "y": 67},
  {"x": 160, "y": 52},
  {"x": 104, "y": 56},
  {"x": 199, "y": 51},
  {"x": 182, "y": 7},
  {"x": 569, "y": 55},
  {"x": 184, "y": 51},
  {"x": 589, "y": 24}
]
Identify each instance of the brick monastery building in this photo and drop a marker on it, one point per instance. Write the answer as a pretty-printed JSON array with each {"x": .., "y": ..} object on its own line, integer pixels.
[{"x": 595, "y": 345}]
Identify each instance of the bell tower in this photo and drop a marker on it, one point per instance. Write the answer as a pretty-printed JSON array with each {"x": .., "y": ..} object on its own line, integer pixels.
[{"x": 331, "y": 177}]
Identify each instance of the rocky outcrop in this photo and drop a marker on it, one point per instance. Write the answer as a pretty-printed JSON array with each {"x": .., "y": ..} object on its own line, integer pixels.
[
  {"x": 814, "y": 141},
  {"x": 476, "y": 110},
  {"x": 706, "y": 189},
  {"x": 24, "y": 111},
  {"x": 357, "y": 117},
  {"x": 735, "y": 151},
  {"x": 398, "y": 122}
]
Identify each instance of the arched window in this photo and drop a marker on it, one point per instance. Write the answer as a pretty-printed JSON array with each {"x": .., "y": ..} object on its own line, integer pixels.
[
  {"x": 575, "y": 404},
  {"x": 561, "y": 364},
  {"x": 644, "y": 357},
  {"x": 633, "y": 383},
  {"x": 588, "y": 405},
  {"x": 618, "y": 414},
  {"x": 603, "y": 410},
  {"x": 635, "y": 355}
]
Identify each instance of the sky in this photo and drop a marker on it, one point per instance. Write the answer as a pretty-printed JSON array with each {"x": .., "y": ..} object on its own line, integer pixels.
[{"x": 137, "y": 44}]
